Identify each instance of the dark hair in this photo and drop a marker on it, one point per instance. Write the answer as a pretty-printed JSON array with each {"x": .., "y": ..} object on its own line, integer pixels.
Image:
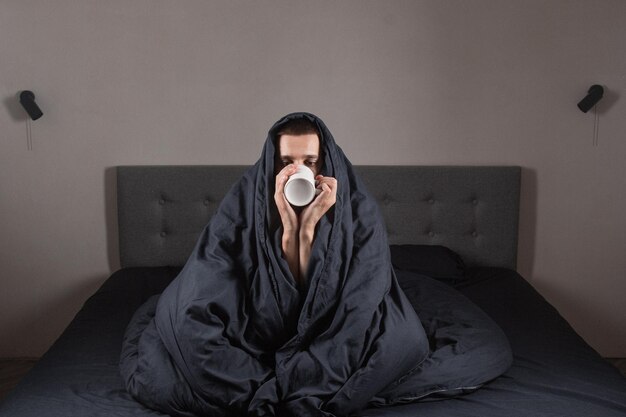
[{"x": 297, "y": 127}]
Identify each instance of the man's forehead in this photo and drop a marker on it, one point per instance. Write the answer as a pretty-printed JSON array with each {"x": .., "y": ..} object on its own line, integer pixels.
[{"x": 308, "y": 145}]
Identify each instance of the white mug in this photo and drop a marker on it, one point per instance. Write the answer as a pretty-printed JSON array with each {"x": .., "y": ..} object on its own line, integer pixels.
[{"x": 300, "y": 187}]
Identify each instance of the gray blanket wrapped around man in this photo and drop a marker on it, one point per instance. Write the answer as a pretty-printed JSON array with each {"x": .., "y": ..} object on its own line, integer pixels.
[{"x": 235, "y": 335}]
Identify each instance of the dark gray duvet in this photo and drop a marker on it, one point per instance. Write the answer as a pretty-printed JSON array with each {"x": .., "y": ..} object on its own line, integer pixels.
[{"x": 234, "y": 335}]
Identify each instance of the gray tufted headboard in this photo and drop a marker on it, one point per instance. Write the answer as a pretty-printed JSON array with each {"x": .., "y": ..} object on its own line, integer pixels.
[{"x": 473, "y": 210}]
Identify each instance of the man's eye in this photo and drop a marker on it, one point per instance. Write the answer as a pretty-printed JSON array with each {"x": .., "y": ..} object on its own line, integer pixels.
[
  {"x": 285, "y": 163},
  {"x": 311, "y": 163}
]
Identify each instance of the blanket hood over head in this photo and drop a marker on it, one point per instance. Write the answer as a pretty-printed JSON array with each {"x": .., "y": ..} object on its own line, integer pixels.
[{"x": 234, "y": 335}]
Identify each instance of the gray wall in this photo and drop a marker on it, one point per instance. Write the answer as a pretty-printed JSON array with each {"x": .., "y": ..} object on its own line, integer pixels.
[{"x": 398, "y": 82}]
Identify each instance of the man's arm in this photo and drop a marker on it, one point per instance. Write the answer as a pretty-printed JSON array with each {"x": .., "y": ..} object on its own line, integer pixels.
[
  {"x": 306, "y": 237},
  {"x": 299, "y": 230},
  {"x": 311, "y": 215},
  {"x": 289, "y": 219},
  {"x": 291, "y": 245}
]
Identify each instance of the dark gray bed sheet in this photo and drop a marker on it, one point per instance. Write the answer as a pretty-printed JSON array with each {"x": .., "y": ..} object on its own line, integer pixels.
[{"x": 555, "y": 373}]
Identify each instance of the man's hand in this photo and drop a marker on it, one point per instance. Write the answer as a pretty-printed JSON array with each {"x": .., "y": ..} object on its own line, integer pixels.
[
  {"x": 287, "y": 214},
  {"x": 320, "y": 205}
]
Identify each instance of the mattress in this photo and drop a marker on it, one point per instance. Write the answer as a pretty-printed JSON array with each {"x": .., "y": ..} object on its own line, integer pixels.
[{"x": 555, "y": 373}]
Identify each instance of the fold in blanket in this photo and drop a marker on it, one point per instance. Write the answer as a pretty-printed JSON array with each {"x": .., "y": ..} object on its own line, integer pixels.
[{"x": 235, "y": 335}]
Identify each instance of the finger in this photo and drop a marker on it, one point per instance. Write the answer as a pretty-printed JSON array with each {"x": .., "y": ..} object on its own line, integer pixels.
[
  {"x": 330, "y": 182},
  {"x": 321, "y": 193},
  {"x": 279, "y": 193},
  {"x": 288, "y": 170},
  {"x": 283, "y": 177},
  {"x": 284, "y": 208},
  {"x": 281, "y": 180},
  {"x": 326, "y": 179}
]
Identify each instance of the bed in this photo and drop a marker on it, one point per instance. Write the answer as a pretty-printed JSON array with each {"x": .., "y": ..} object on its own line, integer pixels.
[{"x": 458, "y": 224}]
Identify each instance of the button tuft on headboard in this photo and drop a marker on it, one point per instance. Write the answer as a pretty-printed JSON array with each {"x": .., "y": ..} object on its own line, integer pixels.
[{"x": 387, "y": 199}]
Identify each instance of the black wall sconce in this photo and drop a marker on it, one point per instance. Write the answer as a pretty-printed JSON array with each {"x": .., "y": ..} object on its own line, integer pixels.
[
  {"x": 594, "y": 95},
  {"x": 27, "y": 100}
]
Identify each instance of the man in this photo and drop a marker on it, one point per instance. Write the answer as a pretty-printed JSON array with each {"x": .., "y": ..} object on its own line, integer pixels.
[{"x": 299, "y": 144}]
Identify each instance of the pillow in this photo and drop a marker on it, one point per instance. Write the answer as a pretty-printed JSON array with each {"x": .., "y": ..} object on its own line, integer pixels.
[{"x": 435, "y": 261}]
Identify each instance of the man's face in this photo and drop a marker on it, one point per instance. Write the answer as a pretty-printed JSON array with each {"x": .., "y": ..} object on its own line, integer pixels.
[{"x": 299, "y": 150}]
